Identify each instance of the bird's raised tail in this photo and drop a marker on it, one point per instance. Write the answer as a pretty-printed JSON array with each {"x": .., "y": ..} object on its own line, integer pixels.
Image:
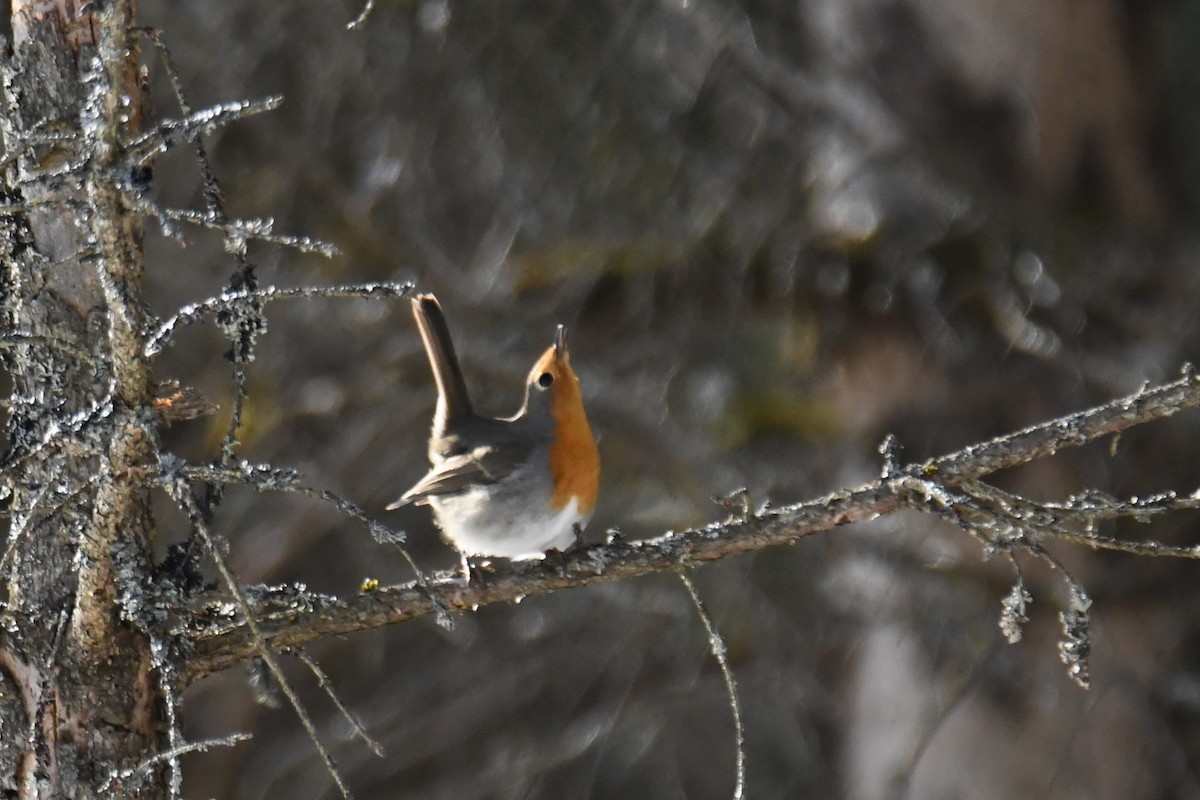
[{"x": 453, "y": 401}]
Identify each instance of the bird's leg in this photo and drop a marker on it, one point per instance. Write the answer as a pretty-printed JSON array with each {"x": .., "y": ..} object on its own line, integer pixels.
[
  {"x": 557, "y": 560},
  {"x": 472, "y": 571}
]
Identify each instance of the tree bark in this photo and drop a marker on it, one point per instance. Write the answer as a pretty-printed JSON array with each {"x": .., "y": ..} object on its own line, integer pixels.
[{"x": 79, "y": 699}]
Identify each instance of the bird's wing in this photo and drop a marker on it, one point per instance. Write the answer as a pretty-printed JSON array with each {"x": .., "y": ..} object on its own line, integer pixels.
[{"x": 458, "y": 473}]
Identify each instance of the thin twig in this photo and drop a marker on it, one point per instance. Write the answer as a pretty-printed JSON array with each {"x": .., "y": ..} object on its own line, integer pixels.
[
  {"x": 245, "y": 321},
  {"x": 170, "y": 133},
  {"x": 143, "y": 767},
  {"x": 59, "y": 430},
  {"x": 165, "y": 670},
  {"x": 1046, "y": 519},
  {"x": 37, "y": 134},
  {"x": 265, "y": 478},
  {"x": 42, "y": 202},
  {"x": 367, "y": 8},
  {"x": 194, "y": 312},
  {"x": 238, "y": 231},
  {"x": 324, "y": 682},
  {"x": 716, "y": 645},
  {"x": 177, "y": 486}
]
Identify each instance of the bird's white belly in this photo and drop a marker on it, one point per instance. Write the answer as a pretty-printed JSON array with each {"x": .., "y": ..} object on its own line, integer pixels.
[{"x": 479, "y": 526}]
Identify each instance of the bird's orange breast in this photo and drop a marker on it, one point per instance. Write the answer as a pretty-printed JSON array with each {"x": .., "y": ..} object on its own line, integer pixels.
[{"x": 574, "y": 457}]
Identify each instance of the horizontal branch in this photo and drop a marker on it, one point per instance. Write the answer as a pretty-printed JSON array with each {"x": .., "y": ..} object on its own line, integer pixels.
[
  {"x": 172, "y": 132},
  {"x": 217, "y": 638},
  {"x": 194, "y": 312},
  {"x": 1045, "y": 439}
]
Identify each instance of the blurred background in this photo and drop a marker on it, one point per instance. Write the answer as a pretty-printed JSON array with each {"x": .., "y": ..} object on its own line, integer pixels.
[{"x": 778, "y": 232}]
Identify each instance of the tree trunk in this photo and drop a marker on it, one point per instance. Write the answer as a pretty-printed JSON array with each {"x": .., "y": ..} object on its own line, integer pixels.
[{"x": 81, "y": 707}]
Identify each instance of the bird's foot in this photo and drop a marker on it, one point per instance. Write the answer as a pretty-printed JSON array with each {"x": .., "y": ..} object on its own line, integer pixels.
[
  {"x": 557, "y": 561},
  {"x": 474, "y": 570}
]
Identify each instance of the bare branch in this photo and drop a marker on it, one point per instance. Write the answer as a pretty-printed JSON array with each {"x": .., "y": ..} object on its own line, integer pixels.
[
  {"x": 237, "y": 231},
  {"x": 173, "y": 132},
  {"x": 1049, "y": 519},
  {"x": 41, "y": 202},
  {"x": 264, "y": 478},
  {"x": 358, "y": 21},
  {"x": 194, "y": 312},
  {"x": 1046, "y": 439},
  {"x": 245, "y": 321},
  {"x": 716, "y": 645},
  {"x": 121, "y": 776},
  {"x": 219, "y": 639},
  {"x": 324, "y": 682},
  {"x": 40, "y": 133},
  {"x": 177, "y": 486}
]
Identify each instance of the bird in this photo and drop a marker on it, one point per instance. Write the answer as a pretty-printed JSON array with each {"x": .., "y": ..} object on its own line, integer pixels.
[{"x": 513, "y": 487}]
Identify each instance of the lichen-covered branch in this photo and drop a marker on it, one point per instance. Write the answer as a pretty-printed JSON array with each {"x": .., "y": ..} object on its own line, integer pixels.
[
  {"x": 121, "y": 506},
  {"x": 81, "y": 425},
  {"x": 289, "y": 617}
]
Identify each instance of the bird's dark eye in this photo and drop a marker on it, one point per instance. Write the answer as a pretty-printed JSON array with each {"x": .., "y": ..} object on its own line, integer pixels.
[{"x": 545, "y": 379}]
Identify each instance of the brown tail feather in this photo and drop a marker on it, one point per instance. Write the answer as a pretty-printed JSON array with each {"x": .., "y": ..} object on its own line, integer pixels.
[{"x": 453, "y": 400}]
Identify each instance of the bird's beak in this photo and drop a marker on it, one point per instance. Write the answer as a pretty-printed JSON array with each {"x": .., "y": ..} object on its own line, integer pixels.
[{"x": 560, "y": 342}]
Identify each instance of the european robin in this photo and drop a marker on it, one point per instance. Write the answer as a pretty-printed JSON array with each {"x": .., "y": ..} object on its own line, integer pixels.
[{"x": 514, "y": 487}]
